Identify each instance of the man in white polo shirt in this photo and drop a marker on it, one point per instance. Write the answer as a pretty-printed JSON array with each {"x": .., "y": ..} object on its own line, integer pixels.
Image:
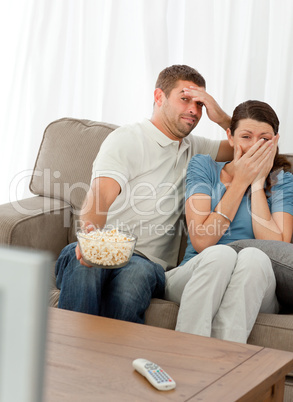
[{"x": 138, "y": 185}]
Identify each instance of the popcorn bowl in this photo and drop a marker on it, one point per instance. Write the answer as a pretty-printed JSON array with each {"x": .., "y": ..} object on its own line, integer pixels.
[{"x": 106, "y": 248}]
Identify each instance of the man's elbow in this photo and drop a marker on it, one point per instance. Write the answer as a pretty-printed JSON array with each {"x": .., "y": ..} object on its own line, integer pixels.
[{"x": 225, "y": 152}]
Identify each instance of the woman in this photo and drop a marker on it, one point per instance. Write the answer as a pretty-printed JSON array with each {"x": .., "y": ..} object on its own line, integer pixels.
[{"x": 221, "y": 292}]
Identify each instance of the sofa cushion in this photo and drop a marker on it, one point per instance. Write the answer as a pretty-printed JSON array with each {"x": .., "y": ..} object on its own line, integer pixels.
[
  {"x": 162, "y": 313},
  {"x": 273, "y": 331},
  {"x": 64, "y": 163},
  {"x": 281, "y": 255}
]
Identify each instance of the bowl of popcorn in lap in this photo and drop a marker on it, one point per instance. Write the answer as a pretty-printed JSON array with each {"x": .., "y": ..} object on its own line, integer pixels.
[{"x": 106, "y": 248}]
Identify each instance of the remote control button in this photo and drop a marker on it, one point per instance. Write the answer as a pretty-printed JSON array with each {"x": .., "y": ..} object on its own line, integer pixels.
[{"x": 151, "y": 366}]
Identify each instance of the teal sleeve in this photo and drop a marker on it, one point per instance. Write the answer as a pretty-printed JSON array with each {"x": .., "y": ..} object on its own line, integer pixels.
[
  {"x": 198, "y": 176},
  {"x": 281, "y": 199}
]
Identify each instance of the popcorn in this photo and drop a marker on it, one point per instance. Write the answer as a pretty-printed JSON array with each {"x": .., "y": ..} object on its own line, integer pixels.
[{"x": 106, "y": 247}]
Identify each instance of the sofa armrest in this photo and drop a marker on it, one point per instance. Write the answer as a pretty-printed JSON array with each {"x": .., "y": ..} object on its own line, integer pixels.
[{"x": 36, "y": 222}]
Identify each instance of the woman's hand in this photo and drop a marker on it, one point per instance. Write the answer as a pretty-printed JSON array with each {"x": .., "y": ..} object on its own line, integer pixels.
[
  {"x": 266, "y": 166},
  {"x": 250, "y": 166}
]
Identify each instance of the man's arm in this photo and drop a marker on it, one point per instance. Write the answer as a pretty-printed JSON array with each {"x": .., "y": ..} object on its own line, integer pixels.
[
  {"x": 225, "y": 152},
  {"x": 102, "y": 194}
]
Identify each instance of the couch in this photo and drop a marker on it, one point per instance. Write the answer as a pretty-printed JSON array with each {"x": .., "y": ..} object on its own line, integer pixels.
[{"x": 48, "y": 220}]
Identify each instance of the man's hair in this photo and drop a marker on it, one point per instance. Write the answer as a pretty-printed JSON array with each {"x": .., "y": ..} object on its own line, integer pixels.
[{"x": 168, "y": 78}]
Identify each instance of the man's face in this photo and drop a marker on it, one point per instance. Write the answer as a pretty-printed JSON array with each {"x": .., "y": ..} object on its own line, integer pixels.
[{"x": 179, "y": 114}]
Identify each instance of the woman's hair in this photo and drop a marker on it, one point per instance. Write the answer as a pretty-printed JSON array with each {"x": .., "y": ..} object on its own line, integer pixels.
[
  {"x": 168, "y": 78},
  {"x": 262, "y": 112}
]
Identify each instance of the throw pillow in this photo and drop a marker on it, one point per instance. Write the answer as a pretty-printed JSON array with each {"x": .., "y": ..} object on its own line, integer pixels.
[{"x": 281, "y": 255}]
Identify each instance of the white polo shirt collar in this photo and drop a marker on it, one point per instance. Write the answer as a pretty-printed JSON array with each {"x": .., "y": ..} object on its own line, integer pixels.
[{"x": 163, "y": 140}]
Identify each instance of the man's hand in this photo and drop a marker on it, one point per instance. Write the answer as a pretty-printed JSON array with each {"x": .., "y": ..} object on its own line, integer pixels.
[
  {"x": 87, "y": 227},
  {"x": 99, "y": 198},
  {"x": 79, "y": 256},
  {"x": 214, "y": 111}
]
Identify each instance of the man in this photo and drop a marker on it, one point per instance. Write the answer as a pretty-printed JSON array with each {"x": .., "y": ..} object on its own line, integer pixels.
[{"x": 138, "y": 184}]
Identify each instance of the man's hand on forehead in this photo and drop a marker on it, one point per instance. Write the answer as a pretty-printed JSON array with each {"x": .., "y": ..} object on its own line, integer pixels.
[
  {"x": 214, "y": 111},
  {"x": 196, "y": 94}
]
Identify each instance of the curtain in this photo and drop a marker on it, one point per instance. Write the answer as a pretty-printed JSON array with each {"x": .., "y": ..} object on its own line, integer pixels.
[{"x": 99, "y": 60}]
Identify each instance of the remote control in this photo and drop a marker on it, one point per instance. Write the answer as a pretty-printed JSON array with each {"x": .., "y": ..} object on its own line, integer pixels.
[{"x": 154, "y": 374}]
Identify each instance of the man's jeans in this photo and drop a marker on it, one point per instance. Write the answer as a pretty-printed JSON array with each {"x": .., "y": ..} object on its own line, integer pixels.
[{"x": 121, "y": 293}]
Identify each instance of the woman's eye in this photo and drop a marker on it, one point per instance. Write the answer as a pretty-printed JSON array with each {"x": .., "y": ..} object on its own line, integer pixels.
[
  {"x": 184, "y": 99},
  {"x": 266, "y": 139}
]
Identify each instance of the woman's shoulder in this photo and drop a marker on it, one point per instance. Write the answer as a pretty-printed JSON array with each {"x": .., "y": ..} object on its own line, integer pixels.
[
  {"x": 202, "y": 167},
  {"x": 203, "y": 160},
  {"x": 283, "y": 178}
]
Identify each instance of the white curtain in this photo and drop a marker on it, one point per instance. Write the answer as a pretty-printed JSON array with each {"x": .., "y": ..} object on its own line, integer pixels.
[{"x": 99, "y": 60}]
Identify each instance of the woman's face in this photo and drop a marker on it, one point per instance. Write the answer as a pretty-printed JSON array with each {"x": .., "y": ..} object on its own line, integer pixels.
[{"x": 248, "y": 132}]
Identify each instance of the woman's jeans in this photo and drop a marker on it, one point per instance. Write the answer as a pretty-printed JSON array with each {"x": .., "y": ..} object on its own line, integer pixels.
[{"x": 121, "y": 293}]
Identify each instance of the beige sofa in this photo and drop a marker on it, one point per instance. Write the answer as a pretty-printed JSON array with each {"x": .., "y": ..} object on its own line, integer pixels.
[{"x": 49, "y": 220}]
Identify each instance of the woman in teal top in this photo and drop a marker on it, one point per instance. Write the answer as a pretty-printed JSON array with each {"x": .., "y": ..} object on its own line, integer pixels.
[
  {"x": 203, "y": 176},
  {"x": 221, "y": 292}
]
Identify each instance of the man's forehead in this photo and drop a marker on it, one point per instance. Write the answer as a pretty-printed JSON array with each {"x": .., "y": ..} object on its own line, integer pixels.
[{"x": 184, "y": 84}]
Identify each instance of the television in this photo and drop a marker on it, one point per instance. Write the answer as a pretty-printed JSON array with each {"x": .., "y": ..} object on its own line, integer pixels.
[{"x": 24, "y": 296}]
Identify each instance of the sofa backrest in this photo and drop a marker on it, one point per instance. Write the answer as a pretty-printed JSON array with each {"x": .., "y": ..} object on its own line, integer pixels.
[{"x": 64, "y": 163}]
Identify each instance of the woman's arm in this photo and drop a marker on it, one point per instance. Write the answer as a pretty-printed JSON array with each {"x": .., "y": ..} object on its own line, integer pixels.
[
  {"x": 267, "y": 226},
  {"x": 206, "y": 227}
]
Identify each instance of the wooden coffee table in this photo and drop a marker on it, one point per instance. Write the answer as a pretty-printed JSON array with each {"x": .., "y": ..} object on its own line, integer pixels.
[{"x": 90, "y": 358}]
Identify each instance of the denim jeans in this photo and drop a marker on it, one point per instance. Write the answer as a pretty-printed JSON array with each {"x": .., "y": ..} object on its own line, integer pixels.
[{"x": 121, "y": 293}]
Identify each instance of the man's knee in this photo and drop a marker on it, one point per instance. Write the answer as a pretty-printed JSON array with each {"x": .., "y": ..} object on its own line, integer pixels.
[{"x": 144, "y": 269}]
